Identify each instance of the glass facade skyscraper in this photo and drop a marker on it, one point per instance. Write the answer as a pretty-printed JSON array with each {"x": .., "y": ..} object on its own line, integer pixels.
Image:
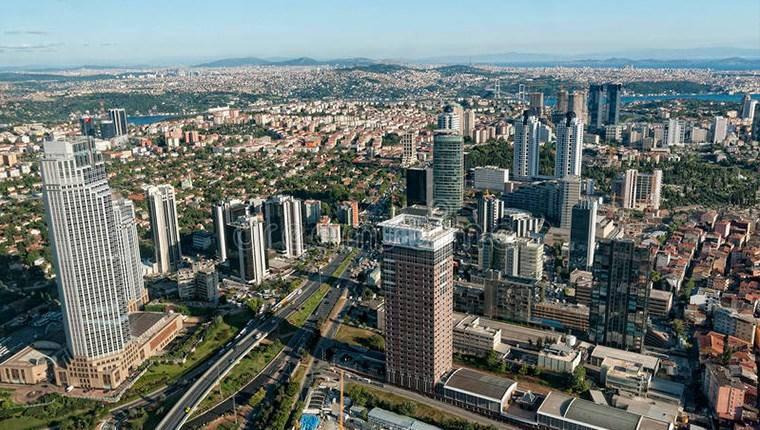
[{"x": 448, "y": 172}]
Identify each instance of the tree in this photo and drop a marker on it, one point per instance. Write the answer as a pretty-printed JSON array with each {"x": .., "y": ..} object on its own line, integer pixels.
[
  {"x": 678, "y": 327},
  {"x": 577, "y": 380}
]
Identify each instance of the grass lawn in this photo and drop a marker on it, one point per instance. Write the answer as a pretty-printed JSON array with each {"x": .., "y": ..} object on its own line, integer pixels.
[
  {"x": 394, "y": 402},
  {"x": 22, "y": 423},
  {"x": 299, "y": 317},
  {"x": 356, "y": 336},
  {"x": 160, "y": 374}
]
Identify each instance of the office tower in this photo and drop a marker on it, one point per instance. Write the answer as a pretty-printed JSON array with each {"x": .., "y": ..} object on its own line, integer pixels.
[
  {"x": 419, "y": 186},
  {"x": 748, "y": 107},
  {"x": 85, "y": 240},
  {"x": 675, "y": 131},
  {"x": 583, "y": 235},
  {"x": 246, "y": 251},
  {"x": 490, "y": 210},
  {"x": 162, "y": 208},
  {"x": 618, "y": 313},
  {"x": 756, "y": 123},
  {"x": 417, "y": 275},
  {"x": 642, "y": 190},
  {"x": 312, "y": 212},
  {"x": 348, "y": 213},
  {"x": 569, "y": 194},
  {"x": 284, "y": 225},
  {"x": 129, "y": 253},
  {"x": 490, "y": 178},
  {"x": 448, "y": 172},
  {"x": 222, "y": 214},
  {"x": 719, "y": 129},
  {"x": 596, "y": 106},
  {"x": 107, "y": 129},
  {"x": 87, "y": 125},
  {"x": 449, "y": 120},
  {"x": 409, "y": 145},
  {"x": 613, "y": 103},
  {"x": 511, "y": 255},
  {"x": 567, "y": 162},
  {"x": 526, "y": 155},
  {"x": 576, "y": 102},
  {"x": 536, "y": 102},
  {"x": 119, "y": 118},
  {"x": 468, "y": 123},
  {"x": 562, "y": 102}
]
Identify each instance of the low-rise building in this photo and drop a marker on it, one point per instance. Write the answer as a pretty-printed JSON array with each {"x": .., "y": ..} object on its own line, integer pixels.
[
  {"x": 474, "y": 339},
  {"x": 660, "y": 303},
  {"x": 485, "y": 394},
  {"x": 731, "y": 322},
  {"x": 562, "y": 316},
  {"x": 559, "y": 357},
  {"x": 625, "y": 376},
  {"x": 380, "y": 419},
  {"x": 600, "y": 353},
  {"x": 724, "y": 393},
  {"x": 560, "y": 411}
]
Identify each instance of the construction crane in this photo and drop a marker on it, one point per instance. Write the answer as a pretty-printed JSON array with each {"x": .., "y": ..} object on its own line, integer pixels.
[{"x": 340, "y": 418}]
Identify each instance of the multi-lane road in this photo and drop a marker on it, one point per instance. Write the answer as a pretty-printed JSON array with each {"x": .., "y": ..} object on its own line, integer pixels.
[{"x": 237, "y": 349}]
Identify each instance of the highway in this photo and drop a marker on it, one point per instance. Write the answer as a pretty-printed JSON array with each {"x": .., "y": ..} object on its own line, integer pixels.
[{"x": 238, "y": 348}]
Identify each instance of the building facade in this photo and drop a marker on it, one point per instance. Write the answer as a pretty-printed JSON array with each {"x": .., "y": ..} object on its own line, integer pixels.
[{"x": 162, "y": 208}]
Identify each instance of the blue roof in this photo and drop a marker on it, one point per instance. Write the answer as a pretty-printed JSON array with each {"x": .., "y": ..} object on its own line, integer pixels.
[{"x": 309, "y": 422}]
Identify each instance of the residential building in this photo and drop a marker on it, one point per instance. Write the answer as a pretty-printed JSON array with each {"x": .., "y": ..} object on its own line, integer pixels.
[
  {"x": 567, "y": 161},
  {"x": 312, "y": 212},
  {"x": 490, "y": 178},
  {"x": 199, "y": 281},
  {"x": 733, "y": 323},
  {"x": 162, "y": 209},
  {"x": 719, "y": 129},
  {"x": 328, "y": 233},
  {"x": 511, "y": 255},
  {"x": 468, "y": 123},
  {"x": 409, "y": 147},
  {"x": 417, "y": 275},
  {"x": 129, "y": 254},
  {"x": 725, "y": 393},
  {"x": 642, "y": 190},
  {"x": 490, "y": 211},
  {"x": 675, "y": 131},
  {"x": 526, "y": 151},
  {"x": 520, "y": 222}
]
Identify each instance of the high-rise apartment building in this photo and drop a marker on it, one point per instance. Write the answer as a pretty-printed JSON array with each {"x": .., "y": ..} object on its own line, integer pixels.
[
  {"x": 583, "y": 235},
  {"x": 569, "y": 195},
  {"x": 312, "y": 212},
  {"x": 348, "y": 213},
  {"x": 618, "y": 313},
  {"x": 419, "y": 186},
  {"x": 409, "y": 146},
  {"x": 719, "y": 129},
  {"x": 536, "y": 102},
  {"x": 526, "y": 155},
  {"x": 490, "y": 211},
  {"x": 448, "y": 172},
  {"x": 567, "y": 162},
  {"x": 129, "y": 253},
  {"x": 162, "y": 208},
  {"x": 511, "y": 255},
  {"x": 417, "y": 276},
  {"x": 468, "y": 123},
  {"x": 675, "y": 132},
  {"x": 562, "y": 100},
  {"x": 246, "y": 250},
  {"x": 748, "y": 107},
  {"x": 119, "y": 118},
  {"x": 642, "y": 190},
  {"x": 576, "y": 102},
  {"x": 284, "y": 225}
]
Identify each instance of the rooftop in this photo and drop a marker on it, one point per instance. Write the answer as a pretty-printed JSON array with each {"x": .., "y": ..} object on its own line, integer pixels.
[
  {"x": 647, "y": 361},
  {"x": 414, "y": 231},
  {"x": 141, "y": 322},
  {"x": 597, "y": 416},
  {"x": 479, "y": 384},
  {"x": 399, "y": 421}
]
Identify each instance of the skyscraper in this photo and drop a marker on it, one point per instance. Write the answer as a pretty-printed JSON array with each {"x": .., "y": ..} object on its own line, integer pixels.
[
  {"x": 576, "y": 102},
  {"x": 490, "y": 211},
  {"x": 618, "y": 313},
  {"x": 719, "y": 129},
  {"x": 511, "y": 255},
  {"x": 596, "y": 106},
  {"x": 246, "y": 249},
  {"x": 526, "y": 155},
  {"x": 583, "y": 235},
  {"x": 409, "y": 145},
  {"x": 675, "y": 131},
  {"x": 448, "y": 172},
  {"x": 569, "y": 194},
  {"x": 119, "y": 118},
  {"x": 613, "y": 103},
  {"x": 748, "y": 107},
  {"x": 223, "y": 213},
  {"x": 417, "y": 275},
  {"x": 449, "y": 119},
  {"x": 129, "y": 253},
  {"x": 562, "y": 100},
  {"x": 536, "y": 102},
  {"x": 162, "y": 207},
  {"x": 468, "y": 123},
  {"x": 419, "y": 186},
  {"x": 569, "y": 147},
  {"x": 87, "y": 125},
  {"x": 85, "y": 240},
  {"x": 284, "y": 225}
]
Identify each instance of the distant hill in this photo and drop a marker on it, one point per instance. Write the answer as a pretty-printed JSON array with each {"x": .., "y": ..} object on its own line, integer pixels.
[
  {"x": 236, "y": 62},
  {"x": 380, "y": 68},
  {"x": 300, "y": 61}
]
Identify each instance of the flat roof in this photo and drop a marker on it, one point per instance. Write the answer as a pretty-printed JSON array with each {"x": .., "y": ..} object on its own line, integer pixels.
[
  {"x": 400, "y": 420},
  {"x": 647, "y": 361},
  {"x": 601, "y": 416},
  {"x": 479, "y": 384},
  {"x": 141, "y": 322}
]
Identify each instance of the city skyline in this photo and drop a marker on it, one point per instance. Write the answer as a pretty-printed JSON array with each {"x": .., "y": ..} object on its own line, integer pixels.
[{"x": 177, "y": 34}]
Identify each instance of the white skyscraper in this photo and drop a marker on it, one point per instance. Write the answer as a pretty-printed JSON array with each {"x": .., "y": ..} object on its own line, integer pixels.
[
  {"x": 674, "y": 132},
  {"x": 569, "y": 147},
  {"x": 719, "y": 129},
  {"x": 748, "y": 107},
  {"x": 129, "y": 253},
  {"x": 246, "y": 249},
  {"x": 642, "y": 190},
  {"x": 84, "y": 238},
  {"x": 284, "y": 225},
  {"x": 162, "y": 207},
  {"x": 525, "y": 163}
]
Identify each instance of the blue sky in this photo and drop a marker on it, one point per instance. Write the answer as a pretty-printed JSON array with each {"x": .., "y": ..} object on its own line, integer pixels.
[{"x": 69, "y": 32}]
